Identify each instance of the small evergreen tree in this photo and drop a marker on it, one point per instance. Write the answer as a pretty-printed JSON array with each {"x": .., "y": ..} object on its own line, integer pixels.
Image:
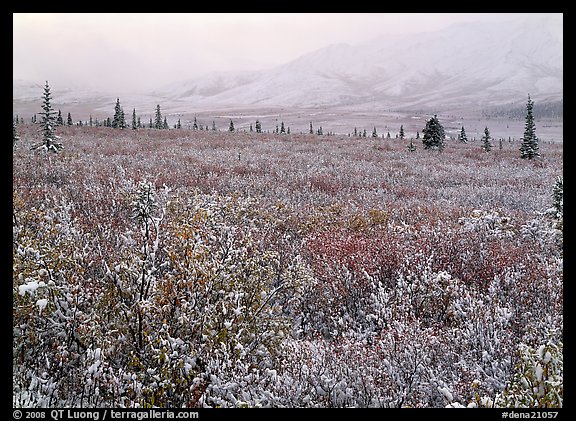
[
  {"x": 15, "y": 136},
  {"x": 402, "y": 132},
  {"x": 374, "y": 133},
  {"x": 69, "y": 120},
  {"x": 231, "y": 127},
  {"x": 462, "y": 136},
  {"x": 48, "y": 125},
  {"x": 118, "y": 115},
  {"x": 433, "y": 134},
  {"x": 165, "y": 124},
  {"x": 213, "y": 125},
  {"x": 90, "y": 121},
  {"x": 251, "y": 128},
  {"x": 59, "y": 120},
  {"x": 195, "y": 124},
  {"x": 134, "y": 121},
  {"x": 417, "y": 134},
  {"x": 486, "y": 145},
  {"x": 178, "y": 124},
  {"x": 529, "y": 147},
  {"x": 150, "y": 124},
  {"x": 139, "y": 124},
  {"x": 158, "y": 123},
  {"x": 282, "y": 128},
  {"x": 411, "y": 146},
  {"x": 311, "y": 130},
  {"x": 258, "y": 127},
  {"x": 558, "y": 196},
  {"x": 388, "y": 135}
]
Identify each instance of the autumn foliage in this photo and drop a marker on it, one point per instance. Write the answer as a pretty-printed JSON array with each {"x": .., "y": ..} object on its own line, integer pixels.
[{"x": 181, "y": 268}]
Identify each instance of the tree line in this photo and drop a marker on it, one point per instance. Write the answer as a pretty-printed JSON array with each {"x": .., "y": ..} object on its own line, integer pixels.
[{"x": 434, "y": 135}]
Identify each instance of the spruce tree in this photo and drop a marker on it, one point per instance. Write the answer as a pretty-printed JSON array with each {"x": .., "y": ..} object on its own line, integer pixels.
[
  {"x": 15, "y": 136},
  {"x": 258, "y": 127},
  {"x": 311, "y": 130},
  {"x": 165, "y": 124},
  {"x": 158, "y": 122},
  {"x": 90, "y": 121},
  {"x": 411, "y": 146},
  {"x": 374, "y": 133},
  {"x": 195, "y": 125},
  {"x": 150, "y": 125},
  {"x": 48, "y": 125},
  {"x": 213, "y": 125},
  {"x": 433, "y": 134},
  {"x": 59, "y": 120},
  {"x": 134, "y": 121},
  {"x": 529, "y": 147},
  {"x": 231, "y": 128},
  {"x": 558, "y": 196},
  {"x": 178, "y": 124},
  {"x": 401, "y": 132},
  {"x": 486, "y": 145},
  {"x": 117, "y": 119},
  {"x": 282, "y": 128},
  {"x": 462, "y": 136},
  {"x": 69, "y": 120}
]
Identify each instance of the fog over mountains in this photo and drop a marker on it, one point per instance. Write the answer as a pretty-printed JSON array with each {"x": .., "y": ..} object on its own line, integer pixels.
[
  {"x": 479, "y": 64},
  {"x": 474, "y": 65}
]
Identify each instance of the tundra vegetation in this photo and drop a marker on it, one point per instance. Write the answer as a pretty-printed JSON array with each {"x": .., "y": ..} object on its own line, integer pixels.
[{"x": 188, "y": 268}]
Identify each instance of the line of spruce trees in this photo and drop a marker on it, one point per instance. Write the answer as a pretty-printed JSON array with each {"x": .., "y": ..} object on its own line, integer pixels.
[{"x": 433, "y": 134}]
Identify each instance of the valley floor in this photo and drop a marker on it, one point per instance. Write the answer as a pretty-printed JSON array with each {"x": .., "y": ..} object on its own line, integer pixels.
[{"x": 182, "y": 268}]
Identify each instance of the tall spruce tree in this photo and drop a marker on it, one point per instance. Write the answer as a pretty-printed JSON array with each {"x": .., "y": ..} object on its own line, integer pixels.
[
  {"x": 486, "y": 145},
  {"x": 529, "y": 147},
  {"x": 462, "y": 136},
  {"x": 69, "y": 120},
  {"x": 15, "y": 136},
  {"x": 158, "y": 123},
  {"x": 117, "y": 119},
  {"x": 59, "y": 120},
  {"x": 134, "y": 121},
  {"x": 433, "y": 134},
  {"x": 48, "y": 125}
]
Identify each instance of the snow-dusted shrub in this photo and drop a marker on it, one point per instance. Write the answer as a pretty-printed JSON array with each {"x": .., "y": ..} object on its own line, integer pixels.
[{"x": 539, "y": 379}]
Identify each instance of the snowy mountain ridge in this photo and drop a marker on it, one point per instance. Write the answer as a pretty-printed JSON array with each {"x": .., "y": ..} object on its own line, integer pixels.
[
  {"x": 480, "y": 64},
  {"x": 474, "y": 65}
]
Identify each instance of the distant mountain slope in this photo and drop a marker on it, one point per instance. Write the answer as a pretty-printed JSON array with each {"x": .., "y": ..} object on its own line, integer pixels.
[
  {"x": 476, "y": 64},
  {"x": 470, "y": 65}
]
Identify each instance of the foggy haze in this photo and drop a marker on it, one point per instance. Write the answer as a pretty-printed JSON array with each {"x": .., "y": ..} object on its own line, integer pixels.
[{"x": 141, "y": 52}]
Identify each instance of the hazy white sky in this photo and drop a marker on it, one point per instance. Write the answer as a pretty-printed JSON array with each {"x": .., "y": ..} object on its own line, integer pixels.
[{"x": 127, "y": 52}]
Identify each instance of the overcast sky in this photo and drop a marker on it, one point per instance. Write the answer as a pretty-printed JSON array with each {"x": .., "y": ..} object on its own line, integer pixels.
[{"x": 139, "y": 52}]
